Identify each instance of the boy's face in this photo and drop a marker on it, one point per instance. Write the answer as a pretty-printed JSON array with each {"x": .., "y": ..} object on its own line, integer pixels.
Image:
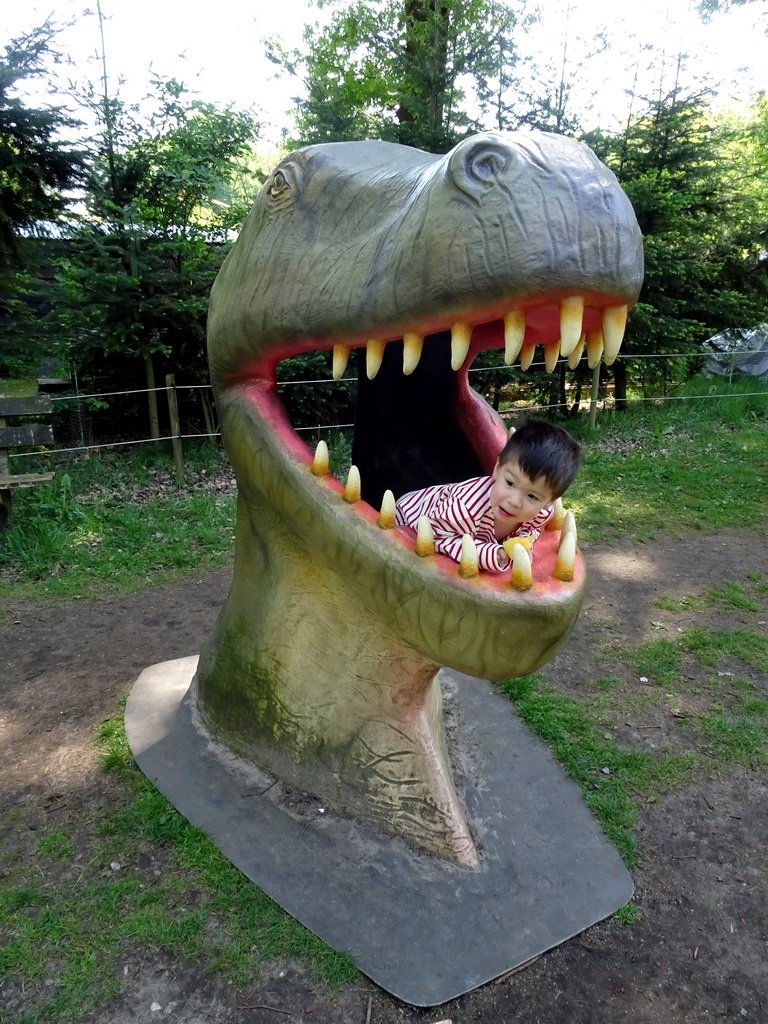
[{"x": 515, "y": 498}]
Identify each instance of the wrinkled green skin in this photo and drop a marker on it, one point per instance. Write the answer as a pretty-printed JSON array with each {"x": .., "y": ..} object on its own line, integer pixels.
[{"x": 322, "y": 666}]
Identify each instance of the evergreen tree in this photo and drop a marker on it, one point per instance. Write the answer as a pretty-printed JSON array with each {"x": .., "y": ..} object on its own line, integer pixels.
[
  {"x": 681, "y": 169},
  {"x": 37, "y": 170},
  {"x": 36, "y": 167}
]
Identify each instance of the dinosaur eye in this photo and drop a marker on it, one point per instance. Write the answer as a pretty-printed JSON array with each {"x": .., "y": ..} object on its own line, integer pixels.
[
  {"x": 279, "y": 184},
  {"x": 284, "y": 187}
]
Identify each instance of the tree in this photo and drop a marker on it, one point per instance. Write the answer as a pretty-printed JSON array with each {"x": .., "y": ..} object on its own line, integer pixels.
[
  {"x": 703, "y": 229},
  {"x": 397, "y": 70},
  {"x": 36, "y": 168},
  {"x": 161, "y": 202},
  {"x": 37, "y": 171}
]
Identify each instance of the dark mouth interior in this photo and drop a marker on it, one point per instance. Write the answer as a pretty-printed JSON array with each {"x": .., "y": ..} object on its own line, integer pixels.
[{"x": 406, "y": 431}]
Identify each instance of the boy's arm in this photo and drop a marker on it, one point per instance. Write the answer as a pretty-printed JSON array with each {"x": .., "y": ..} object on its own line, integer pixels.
[{"x": 450, "y": 523}]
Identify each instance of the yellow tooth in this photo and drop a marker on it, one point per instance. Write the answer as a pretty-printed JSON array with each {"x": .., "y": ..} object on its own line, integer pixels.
[
  {"x": 509, "y": 544},
  {"x": 614, "y": 324},
  {"x": 374, "y": 353},
  {"x": 425, "y": 537},
  {"x": 571, "y": 316},
  {"x": 386, "y": 518},
  {"x": 569, "y": 526},
  {"x": 575, "y": 356},
  {"x": 340, "y": 358},
  {"x": 551, "y": 353},
  {"x": 320, "y": 462},
  {"x": 566, "y": 559},
  {"x": 594, "y": 348},
  {"x": 468, "y": 567},
  {"x": 556, "y": 522},
  {"x": 522, "y": 577},
  {"x": 514, "y": 332},
  {"x": 461, "y": 335},
  {"x": 352, "y": 490},
  {"x": 411, "y": 351},
  {"x": 526, "y": 356}
]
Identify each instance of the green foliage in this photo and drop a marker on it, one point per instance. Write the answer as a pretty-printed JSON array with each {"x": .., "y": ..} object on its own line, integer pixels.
[
  {"x": 118, "y": 522},
  {"x": 36, "y": 170},
  {"x": 652, "y": 468},
  {"x": 76, "y": 930},
  {"x": 314, "y": 404},
  {"x": 36, "y": 167},
  {"x": 657, "y": 660},
  {"x": 164, "y": 191},
  {"x": 689, "y": 175},
  {"x": 396, "y": 69},
  {"x": 712, "y": 647}
]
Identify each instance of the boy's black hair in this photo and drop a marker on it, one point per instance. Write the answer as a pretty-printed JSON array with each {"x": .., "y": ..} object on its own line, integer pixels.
[{"x": 543, "y": 449}]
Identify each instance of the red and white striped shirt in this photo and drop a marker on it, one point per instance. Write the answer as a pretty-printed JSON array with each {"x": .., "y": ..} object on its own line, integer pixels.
[{"x": 456, "y": 509}]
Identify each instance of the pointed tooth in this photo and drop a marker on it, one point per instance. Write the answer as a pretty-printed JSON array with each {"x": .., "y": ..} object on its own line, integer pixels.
[
  {"x": 374, "y": 353},
  {"x": 514, "y": 332},
  {"x": 461, "y": 335},
  {"x": 468, "y": 567},
  {"x": 340, "y": 359},
  {"x": 526, "y": 356},
  {"x": 571, "y": 317},
  {"x": 551, "y": 354},
  {"x": 522, "y": 577},
  {"x": 352, "y": 489},
  {"x": 575, "y": 357},
  {"x": 566, "y": 559},
  {"x": 614, "y": 324},
  {"x": 509, "y": 544},
  {"x": 425, "y": 537},
  {"x": 556, "y": 522},
  {"x": 320, "y": 465},
  {"x": 594, "y": 348},
  {"x": 569, "y": 526},
  {"x": 386, "y": 518},
  {"x": 411, "y": 351}
]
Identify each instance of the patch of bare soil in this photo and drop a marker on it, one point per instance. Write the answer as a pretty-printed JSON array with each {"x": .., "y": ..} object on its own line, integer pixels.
[{"x": 699, "y": 952}]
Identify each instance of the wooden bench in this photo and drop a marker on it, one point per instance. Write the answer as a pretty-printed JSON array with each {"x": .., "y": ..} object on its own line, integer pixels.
[{"x": 20, "y": 436}]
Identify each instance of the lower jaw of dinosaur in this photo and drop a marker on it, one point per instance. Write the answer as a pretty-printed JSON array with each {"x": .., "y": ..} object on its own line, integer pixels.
[
  {"x": 322, "y": 667},
  {"x": 302, "y": 680}
]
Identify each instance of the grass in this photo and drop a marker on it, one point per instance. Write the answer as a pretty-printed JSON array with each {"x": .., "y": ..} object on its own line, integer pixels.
[
  {"x": 726, "y": 727},
  {"x": 675, "y": 465},
  {"x": 118, "y": 522},
  {"x": 197, "y": 906}
]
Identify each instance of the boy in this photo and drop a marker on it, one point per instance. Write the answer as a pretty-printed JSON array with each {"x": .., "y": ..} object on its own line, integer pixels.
[{"x": 537, "y": 465}]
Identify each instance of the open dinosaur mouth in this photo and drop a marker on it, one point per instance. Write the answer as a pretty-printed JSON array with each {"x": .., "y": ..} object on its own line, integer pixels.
[{"x": 418, "y": 421}]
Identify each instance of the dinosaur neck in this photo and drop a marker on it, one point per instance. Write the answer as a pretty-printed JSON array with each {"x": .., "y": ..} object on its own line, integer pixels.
[{"x": 372, "y": 742}]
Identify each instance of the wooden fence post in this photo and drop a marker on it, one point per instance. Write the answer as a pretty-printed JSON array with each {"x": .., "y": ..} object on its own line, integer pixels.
[
  {"x": 593, "y": 397},
  {"x": 173, "y": 414}
]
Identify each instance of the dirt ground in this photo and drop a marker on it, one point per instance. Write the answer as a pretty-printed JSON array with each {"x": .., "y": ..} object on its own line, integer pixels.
[{"x": 699, "y": 952}]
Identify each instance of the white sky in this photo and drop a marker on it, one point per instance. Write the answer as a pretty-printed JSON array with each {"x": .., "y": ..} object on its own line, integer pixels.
[{"x": 223, "y": 55}]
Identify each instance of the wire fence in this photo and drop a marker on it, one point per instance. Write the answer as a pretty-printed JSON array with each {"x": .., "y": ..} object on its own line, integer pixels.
[{"x": 79, "y": 403}]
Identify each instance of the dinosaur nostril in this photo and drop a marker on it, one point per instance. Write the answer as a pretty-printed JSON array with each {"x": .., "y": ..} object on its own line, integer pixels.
[{"x": 478, "y": 164}]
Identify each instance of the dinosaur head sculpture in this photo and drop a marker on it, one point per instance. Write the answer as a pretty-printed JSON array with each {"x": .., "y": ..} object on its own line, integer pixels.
[{"x": 322, "y": 665}]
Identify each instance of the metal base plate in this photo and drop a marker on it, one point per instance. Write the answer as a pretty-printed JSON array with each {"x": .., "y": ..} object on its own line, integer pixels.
[{"x": 421, "y": 928}]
